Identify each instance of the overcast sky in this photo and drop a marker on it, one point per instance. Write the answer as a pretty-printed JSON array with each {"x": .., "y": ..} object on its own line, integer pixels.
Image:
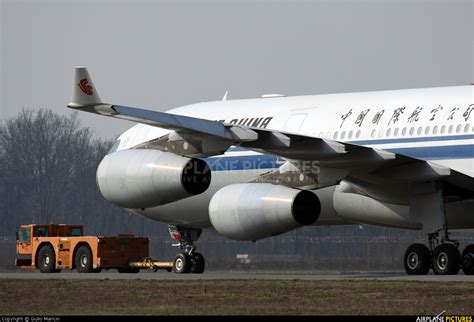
[{"x": 163, "y": 54}]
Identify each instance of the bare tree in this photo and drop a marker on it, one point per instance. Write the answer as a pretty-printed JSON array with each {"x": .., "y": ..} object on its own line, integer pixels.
[
  {"x": 38, "y": 149},
  {"x": 48, "y": 164}
]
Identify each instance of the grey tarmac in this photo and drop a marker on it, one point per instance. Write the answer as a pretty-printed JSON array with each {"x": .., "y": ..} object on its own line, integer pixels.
[{"x": 163, "y": 275}]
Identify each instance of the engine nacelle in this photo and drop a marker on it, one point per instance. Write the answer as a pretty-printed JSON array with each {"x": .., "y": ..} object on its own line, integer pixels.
[
  {"x": 355, "y": 207},
  {"x": 252, "y": 211},
  {"x": 148, "y": 178}
]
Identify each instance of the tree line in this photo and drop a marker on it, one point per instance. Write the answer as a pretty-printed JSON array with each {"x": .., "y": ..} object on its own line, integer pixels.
[{"x": 47, "y": 174}]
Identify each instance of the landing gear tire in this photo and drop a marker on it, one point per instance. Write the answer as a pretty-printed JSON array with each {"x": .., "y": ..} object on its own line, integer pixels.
[
  {"x": 46, "y": 260},
  {"x": 197, "y": 263},
  {"x": 417, "y": 259},
  {"x": 83, "y": 260},
  {"x": 182, "y": 263},
  {"x": 468, "y": 260},
  {"x": 446, "y": 260}
]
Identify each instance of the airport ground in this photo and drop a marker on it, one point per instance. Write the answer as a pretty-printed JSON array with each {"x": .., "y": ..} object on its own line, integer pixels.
[{"x": 235, "y": 294}]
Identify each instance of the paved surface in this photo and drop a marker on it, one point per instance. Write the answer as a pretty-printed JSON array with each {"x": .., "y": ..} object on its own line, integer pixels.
[{"x": 163, "y": 275}]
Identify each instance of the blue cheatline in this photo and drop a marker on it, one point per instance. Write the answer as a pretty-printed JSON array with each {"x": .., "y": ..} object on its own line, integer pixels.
[
  {"x": 396, "y": 140},
  {"x": 438, "y": 152},
  {"x": 417, "y": 139},
  {"x": 244, "y": 162},
  {"x": 263, "y": 161}
]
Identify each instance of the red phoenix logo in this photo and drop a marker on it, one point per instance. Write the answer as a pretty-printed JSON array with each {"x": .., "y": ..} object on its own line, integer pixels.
[{"x": 85, "y": 87}]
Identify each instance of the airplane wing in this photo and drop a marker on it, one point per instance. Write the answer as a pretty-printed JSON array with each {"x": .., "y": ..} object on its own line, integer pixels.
[
  {"x": 86, "y": 98},
  {"x": 312, "y": 162},
  {"x": 333, "y": 161}
]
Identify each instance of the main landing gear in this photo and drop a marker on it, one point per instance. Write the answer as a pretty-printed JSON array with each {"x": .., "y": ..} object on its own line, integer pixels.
[
  {"x": 187, "y": 261},
  {"x": 442, "y": 255}
]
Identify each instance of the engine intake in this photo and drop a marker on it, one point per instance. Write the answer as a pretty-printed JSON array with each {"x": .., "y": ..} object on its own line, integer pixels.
[
  {"x": 252, "y": 211},
  {"x": 149, "y": 178}
]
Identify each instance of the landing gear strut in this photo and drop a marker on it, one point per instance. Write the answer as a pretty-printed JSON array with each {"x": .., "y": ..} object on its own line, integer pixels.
[{"x": 187, "y": 261}]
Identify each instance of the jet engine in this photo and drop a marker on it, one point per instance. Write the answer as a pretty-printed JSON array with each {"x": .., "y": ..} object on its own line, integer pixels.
[
  {"x": 148, "y": 178},
  {"x": 252, "y": 211}
]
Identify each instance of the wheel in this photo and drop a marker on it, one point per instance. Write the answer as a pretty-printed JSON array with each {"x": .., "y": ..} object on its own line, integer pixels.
[
  {"x": 128, "y": 270},
  {"x": 197, "y": 263},
  {"x": 417, "y": 259},
  {"x": 182, "y": 263},
  {"x": 468, "y": 260},
  {"x": 83, "y": 259},
  {"x": 446, "y": 260},
  {"x": 46, "y": 259}
]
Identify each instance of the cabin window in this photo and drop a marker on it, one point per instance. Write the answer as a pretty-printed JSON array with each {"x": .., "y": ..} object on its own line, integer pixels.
[
  {"x": 343, "y": 135},
  {"x": 427, "y": 130},
  {"x": 443, "y": 129},
  {"x": 466, "y": 128},
  {"x": 435, "y": 130},
  {"x": 350, "y": 134},
  {"x": 381, "y": 132},
  {"x": 458, "y": 128},
  {"x": 420, "y": 130},
  {"x": 389, "y": 131},
  {"x": 451, "y": 128},
  {"x": 412, "y": 130},
  {"x": 395, "y": 133},
  {"x": 404, "y": 131},
  {"x": 335, "y": 136},
  {"x": 358, "y": 134}
]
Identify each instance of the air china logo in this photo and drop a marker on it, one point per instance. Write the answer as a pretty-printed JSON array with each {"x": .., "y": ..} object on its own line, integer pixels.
[{"x": 85, "y": 87}]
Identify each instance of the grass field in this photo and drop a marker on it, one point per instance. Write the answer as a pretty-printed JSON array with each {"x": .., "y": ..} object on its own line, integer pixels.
[{"x": 236, "y": 297}]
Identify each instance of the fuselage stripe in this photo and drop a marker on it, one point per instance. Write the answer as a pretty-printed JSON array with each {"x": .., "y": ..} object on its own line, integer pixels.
[
  {"x": 263, "y": 161},
  {"x": 417, "y": 139}
]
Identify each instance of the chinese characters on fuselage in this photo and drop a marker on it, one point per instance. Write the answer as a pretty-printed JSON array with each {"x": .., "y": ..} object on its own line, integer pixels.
[{"x": 412, "y": 116}]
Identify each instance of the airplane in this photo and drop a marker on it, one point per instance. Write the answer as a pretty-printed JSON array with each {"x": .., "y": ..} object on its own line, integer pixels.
[{"x": 255, "y": 168}]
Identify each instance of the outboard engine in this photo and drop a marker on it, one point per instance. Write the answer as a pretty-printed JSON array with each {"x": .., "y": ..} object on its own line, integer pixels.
[{"x": 139, "y": 178}]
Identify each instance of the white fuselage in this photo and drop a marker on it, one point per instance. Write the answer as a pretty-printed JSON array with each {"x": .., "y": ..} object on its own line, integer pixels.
[{"x": 435, "y": 124}]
